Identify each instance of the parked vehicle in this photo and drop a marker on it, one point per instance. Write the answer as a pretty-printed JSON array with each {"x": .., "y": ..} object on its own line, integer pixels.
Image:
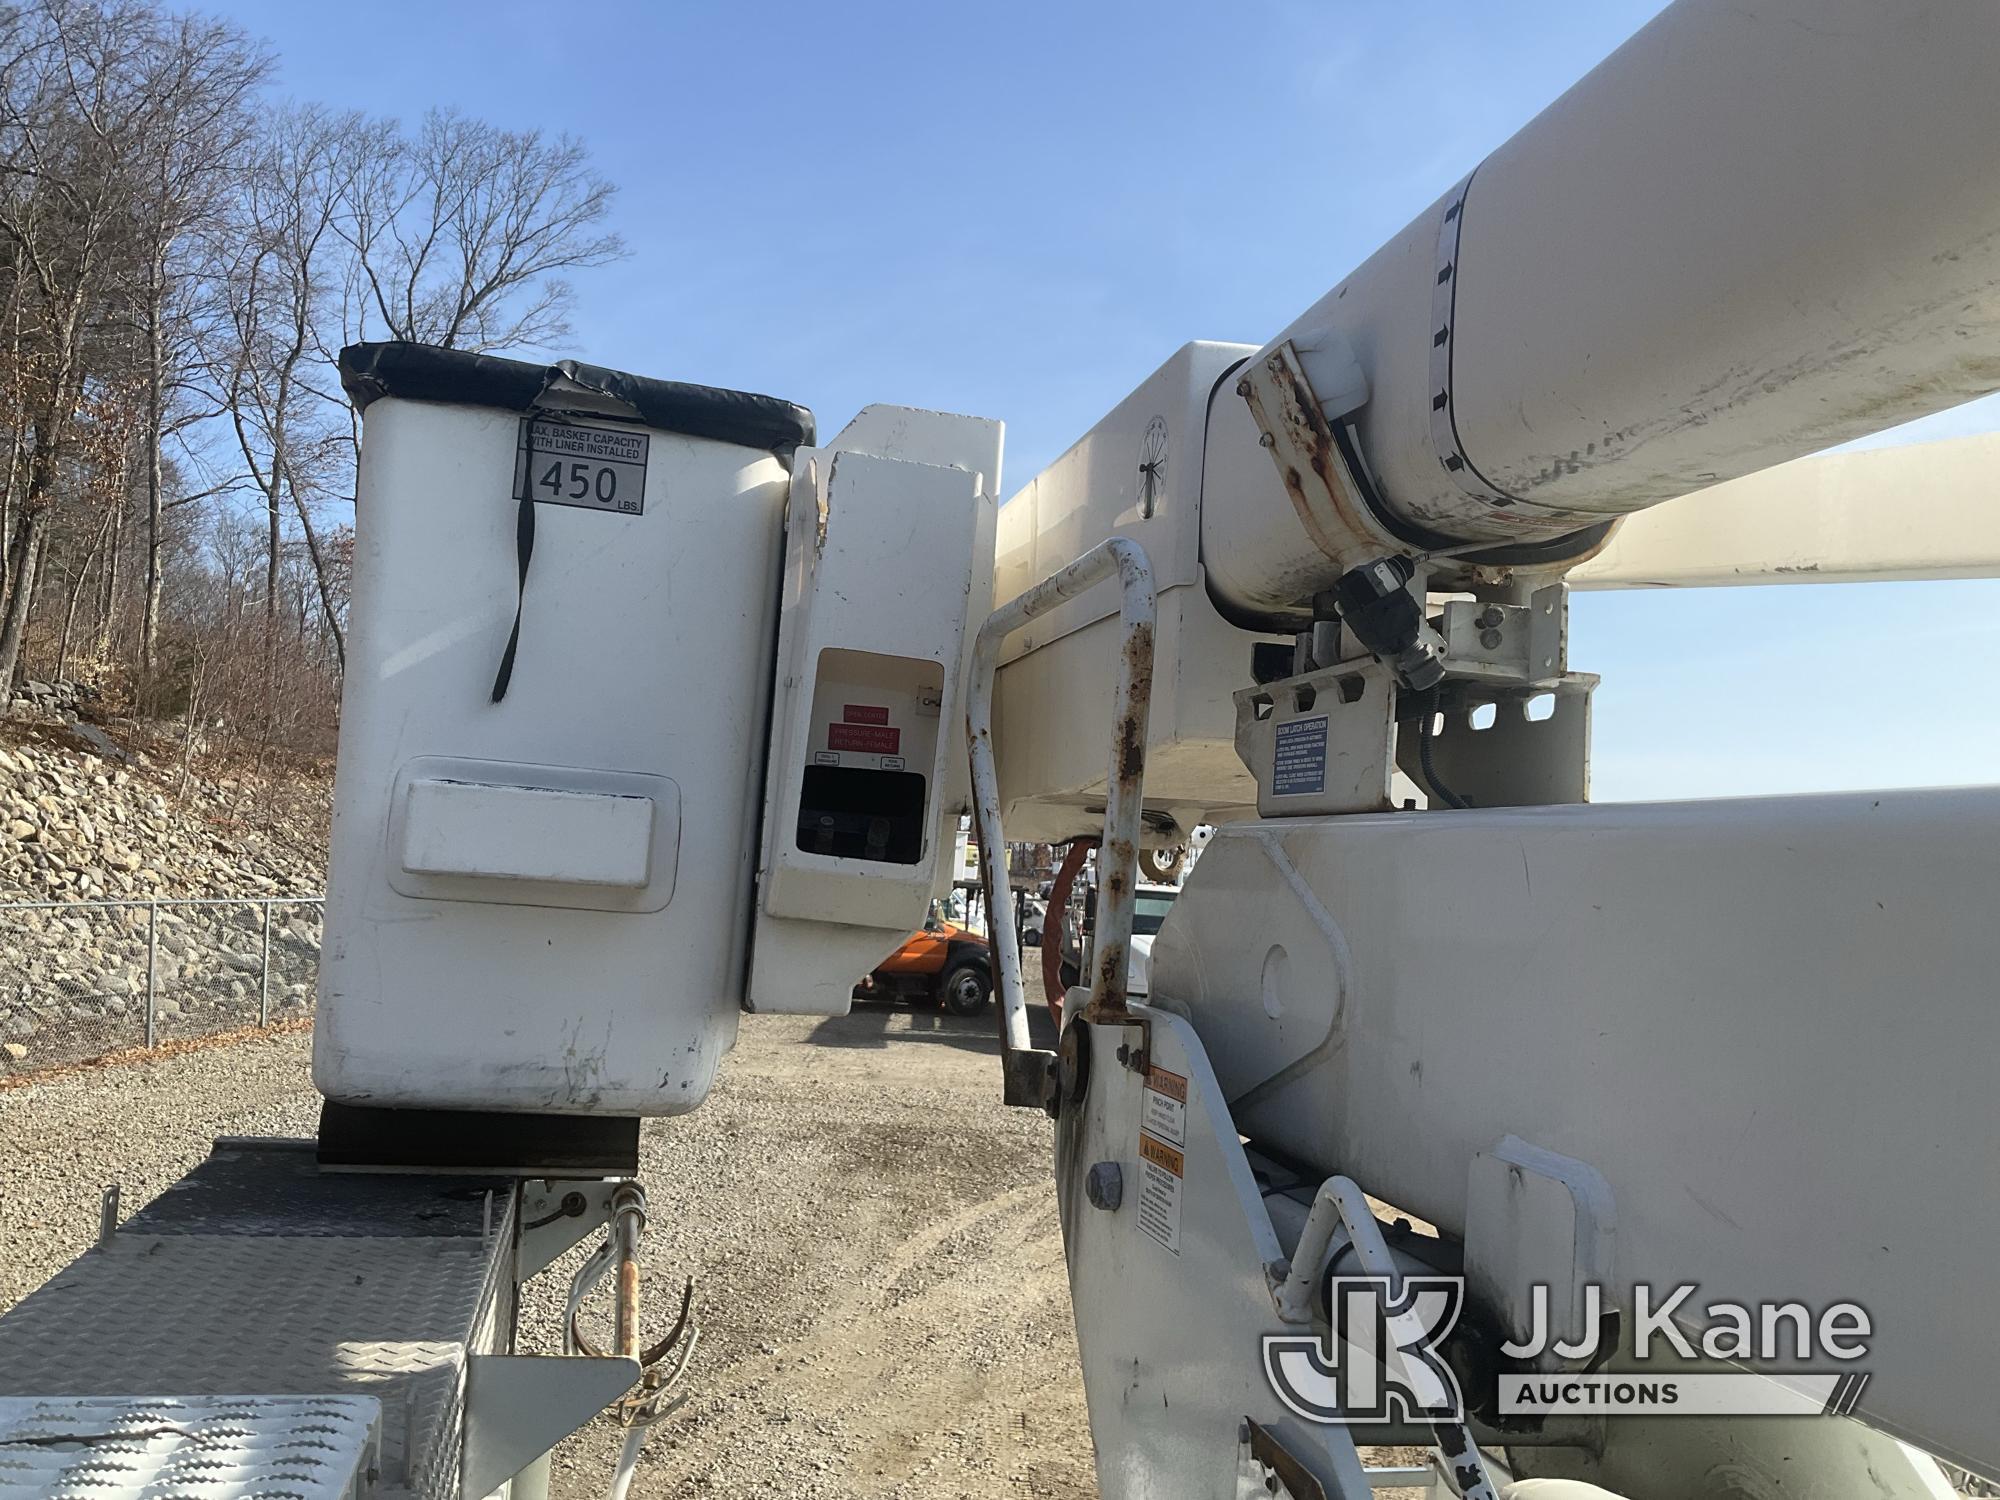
[
  {"x": 941, "y": 964},
  {"x": 1150, "y": 905}
]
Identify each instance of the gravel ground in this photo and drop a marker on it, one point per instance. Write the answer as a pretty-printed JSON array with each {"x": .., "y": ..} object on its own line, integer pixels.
[
  {"x": 139, "y": 1125},
  {"x": 879, "y": 1275}
]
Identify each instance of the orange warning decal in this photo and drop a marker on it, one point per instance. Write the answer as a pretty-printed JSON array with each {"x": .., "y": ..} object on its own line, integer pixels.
[
  {"x": 1160, "y": 1081},
  {"x": 1160, "y": 1155}
]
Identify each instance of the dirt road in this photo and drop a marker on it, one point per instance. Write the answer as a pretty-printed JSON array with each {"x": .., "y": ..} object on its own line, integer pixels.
[
  {"x": 878, "y": 1272},
  {"x": 879, "y": 1276}
]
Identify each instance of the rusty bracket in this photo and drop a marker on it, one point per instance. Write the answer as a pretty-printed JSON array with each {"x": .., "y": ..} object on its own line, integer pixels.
[
  {"x": 1027, "y": 1078},
  {"x": 1137, "y": 1056},
  {"x": 1301, "y": 443}
]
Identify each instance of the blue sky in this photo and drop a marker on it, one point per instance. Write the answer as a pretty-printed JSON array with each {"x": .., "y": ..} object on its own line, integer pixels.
[{"x": 1019, "y": 209}]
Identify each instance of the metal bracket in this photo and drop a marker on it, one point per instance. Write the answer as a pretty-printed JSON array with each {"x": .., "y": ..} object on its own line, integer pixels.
[
  {"x": 556, "y": 1216},
  {"x": 1340, "y": 1203},
  {"x": 1027, "y": 1077},
  {"x": 1301, "y": 442},
  {"x": 1508, "y": 643},
  {"x": 1341, "y": 765},
  {"x": 1535, "y": 1218},
  {"x": 1136, "y": 1056},
  {"x": 519, "y": 1406},
  {"x": 1275, "y": 1465},
  {"x": 1515, "y": 761}
]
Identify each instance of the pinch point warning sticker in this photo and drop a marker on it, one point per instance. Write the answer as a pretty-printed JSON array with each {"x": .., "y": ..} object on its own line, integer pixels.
[{"x": 1165, "y": 1114}]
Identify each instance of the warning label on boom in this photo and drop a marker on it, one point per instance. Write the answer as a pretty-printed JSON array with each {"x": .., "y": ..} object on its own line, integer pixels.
[
  {"x": 1166, "y": 1106},
  {"x": 1161, "y": 1172}
]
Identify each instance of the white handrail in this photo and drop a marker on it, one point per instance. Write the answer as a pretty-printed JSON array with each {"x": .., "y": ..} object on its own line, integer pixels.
[{"x": 1118, "y": 855}]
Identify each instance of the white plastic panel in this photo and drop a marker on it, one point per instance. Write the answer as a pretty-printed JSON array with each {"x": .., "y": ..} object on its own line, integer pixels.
[
  {"x": 1137, "y": 474},
  {"x": 526, "y": 833},
  {"x": 1052, "y": 725},
  {"x": 883, "y": 559},
  {"x": 495, "y": 832},
  {"x": 880, "y": 613}
]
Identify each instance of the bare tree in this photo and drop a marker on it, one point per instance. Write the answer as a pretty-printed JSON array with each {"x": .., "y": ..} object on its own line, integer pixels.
[
  {"x": 191, "y": 154},
  {"x": 74, "y": 90},
  {"x": 463, "y": 233},
  {"x": 179, "y": 263},
  {"x": 279, "y": 283},
  {"x": 456, "y": 237}
]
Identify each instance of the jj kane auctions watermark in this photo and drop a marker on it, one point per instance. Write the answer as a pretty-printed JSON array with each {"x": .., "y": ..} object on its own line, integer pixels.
[{"x": 1380, "y": 1360}]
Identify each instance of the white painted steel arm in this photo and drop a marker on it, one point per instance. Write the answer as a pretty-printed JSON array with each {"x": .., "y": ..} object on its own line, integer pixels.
[
  {"x": 1758, "y": 229},
  {"x": 1117, "y": 856},
  {"x": 1919, "y": 511}
]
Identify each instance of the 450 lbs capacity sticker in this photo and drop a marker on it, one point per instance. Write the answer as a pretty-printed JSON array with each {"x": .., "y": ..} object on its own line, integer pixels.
[{"x": 591, "y": 468}]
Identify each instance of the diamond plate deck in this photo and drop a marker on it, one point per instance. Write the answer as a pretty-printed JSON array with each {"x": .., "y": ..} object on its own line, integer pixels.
[
  {"x": 248, "y": 1186},
  {"x": 235, "y": 1448},
  {"x": 228, "y": 1302}
]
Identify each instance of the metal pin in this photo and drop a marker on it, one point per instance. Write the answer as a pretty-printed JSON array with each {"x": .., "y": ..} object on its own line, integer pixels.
[
  {"x": 264, "y": 984},
  {"x": 152, "y": 970}
]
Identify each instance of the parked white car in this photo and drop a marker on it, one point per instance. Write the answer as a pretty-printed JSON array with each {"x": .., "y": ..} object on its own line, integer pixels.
[{"x": 1150, "y": 905}]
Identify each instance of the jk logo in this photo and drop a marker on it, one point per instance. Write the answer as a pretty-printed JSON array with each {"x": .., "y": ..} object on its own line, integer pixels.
[{"x": 1379, "y": 1361}]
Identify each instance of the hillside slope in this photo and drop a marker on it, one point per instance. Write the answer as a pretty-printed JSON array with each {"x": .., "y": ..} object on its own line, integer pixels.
[{"x": 91, "y": 816}]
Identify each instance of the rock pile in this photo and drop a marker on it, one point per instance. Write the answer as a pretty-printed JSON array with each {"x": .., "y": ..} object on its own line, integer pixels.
[
  {"x": 78, "y": 827},
  {"x": 60, "y": 696}
]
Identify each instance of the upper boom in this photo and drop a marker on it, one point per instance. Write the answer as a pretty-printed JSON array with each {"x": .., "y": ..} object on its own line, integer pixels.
[{"x": 1754, "y": 231}]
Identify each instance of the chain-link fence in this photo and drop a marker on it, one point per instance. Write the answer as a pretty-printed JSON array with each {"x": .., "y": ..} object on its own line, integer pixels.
[{"x": 79, "y": 979}]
